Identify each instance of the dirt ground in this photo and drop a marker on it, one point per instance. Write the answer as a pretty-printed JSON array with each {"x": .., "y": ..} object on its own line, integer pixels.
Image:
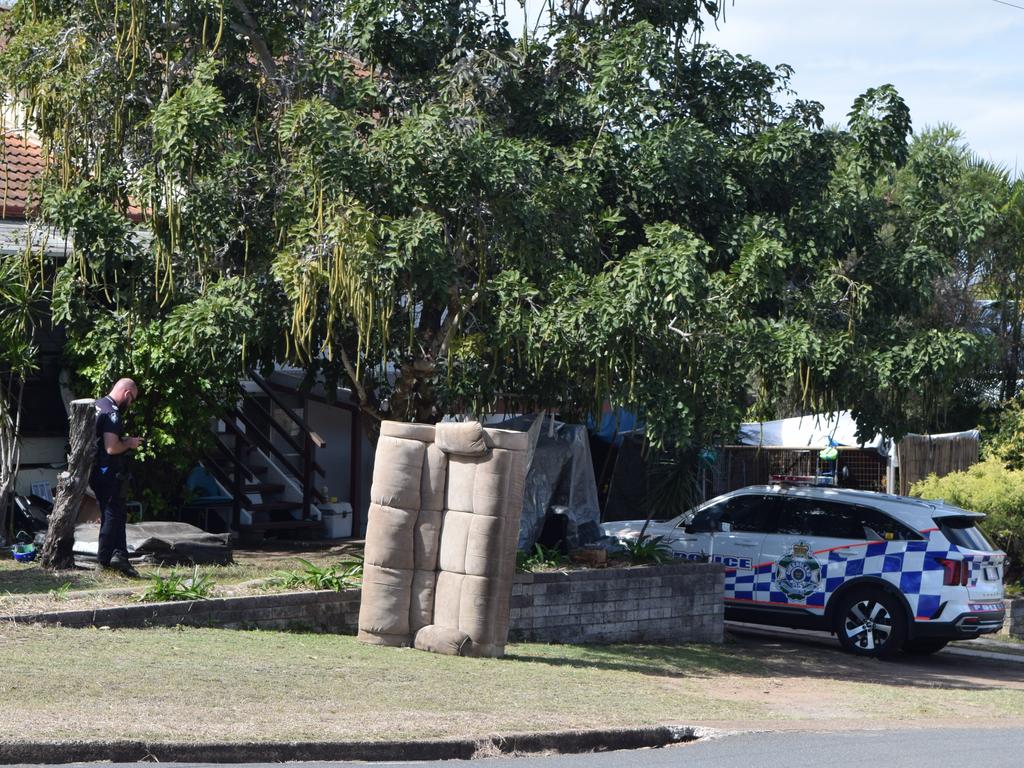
[{"x": 809, "y": 682}]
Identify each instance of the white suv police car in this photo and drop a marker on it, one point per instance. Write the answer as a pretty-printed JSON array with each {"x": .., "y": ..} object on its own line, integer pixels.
[{"x": 884, "y": 573}]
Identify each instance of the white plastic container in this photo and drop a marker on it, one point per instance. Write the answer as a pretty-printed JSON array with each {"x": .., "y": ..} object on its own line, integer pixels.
[{"x": 337, "y": 519}]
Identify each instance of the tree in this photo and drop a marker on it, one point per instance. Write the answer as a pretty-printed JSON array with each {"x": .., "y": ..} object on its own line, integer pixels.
[
  {"x": 408, "y": 199},
  {"x": 17, "y": 359},
  {"x": 956, "y": 204}
]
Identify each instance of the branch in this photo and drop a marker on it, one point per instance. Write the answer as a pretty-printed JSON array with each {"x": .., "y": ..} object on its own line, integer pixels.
[
  {"x": 684, "y": 334},
  {"x": 456, "y": 311},
  {"x": 256, "y": 40},
  {"x": 364, "y": 400}
]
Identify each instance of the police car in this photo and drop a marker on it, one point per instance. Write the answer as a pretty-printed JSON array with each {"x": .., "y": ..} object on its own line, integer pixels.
[{"x": 884, "y": 573}]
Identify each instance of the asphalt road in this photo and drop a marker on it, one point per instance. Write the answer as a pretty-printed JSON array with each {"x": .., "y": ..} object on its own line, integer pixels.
[{"x": 923, "y": 748}]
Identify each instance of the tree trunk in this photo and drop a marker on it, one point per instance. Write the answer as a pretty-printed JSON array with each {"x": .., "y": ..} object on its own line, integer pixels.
[
  {"x": 10, "y": 448},
  {"x": 71, "y": 485}
]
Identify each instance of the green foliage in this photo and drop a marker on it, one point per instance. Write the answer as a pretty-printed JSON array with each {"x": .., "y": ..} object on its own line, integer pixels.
[
  {"x": 344, "y": 575},
  {"x": 177, "y": 586},
  {"x": 647, "y": 550},
  {"x": 405, "y": 199},
  {"x": 540, "y": 558},
  {"x": 987, "y": 487},
  {"x": 1007, "y": 443},
  {"x": 60, "y": 594},
  {"x": 19, "y": 298}
]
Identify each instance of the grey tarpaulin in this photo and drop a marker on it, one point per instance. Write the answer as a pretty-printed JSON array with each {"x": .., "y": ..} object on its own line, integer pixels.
[
  {"x": 560, "y": 478},
  {"x": 165, "y": 542}
]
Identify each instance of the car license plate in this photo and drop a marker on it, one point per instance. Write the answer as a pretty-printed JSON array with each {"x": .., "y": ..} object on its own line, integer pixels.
[{"x": 991, "y": 573}]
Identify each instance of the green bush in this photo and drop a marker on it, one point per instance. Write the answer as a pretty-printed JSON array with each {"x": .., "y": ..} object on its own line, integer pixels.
[
  {"x": 177, "y": 586},
  {"x": 647, "y": 550},
  {"x": 1005, "y": 438},
  {"x": 344, "y": 575},
  {"x": 991, "y": 488},
  {"x": 539, "y": 558}
]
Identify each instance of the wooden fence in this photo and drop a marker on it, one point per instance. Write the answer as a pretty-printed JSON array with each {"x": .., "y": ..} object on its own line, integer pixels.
[{"x": 922, "y": 455}]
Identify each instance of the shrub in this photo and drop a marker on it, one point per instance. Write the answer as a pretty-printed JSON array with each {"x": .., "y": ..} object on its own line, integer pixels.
[
  {"x": 177, "y": 586},
  {"x": 1006, "y": 441},
  {"x": 991, "y": 488},
  {"x": 647, "y": 550},
  {"x": 343, "y": 575},
  {"x": 539, "y": 557}
]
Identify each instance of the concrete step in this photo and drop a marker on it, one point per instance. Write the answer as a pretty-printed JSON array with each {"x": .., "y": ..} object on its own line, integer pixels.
[
  {"x": 275, "y": 506},
  {"x": 263, "y": 487}
]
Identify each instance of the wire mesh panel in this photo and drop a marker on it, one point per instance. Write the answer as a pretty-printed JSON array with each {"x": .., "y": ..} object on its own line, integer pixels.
[{"x": 742, "y": 465}]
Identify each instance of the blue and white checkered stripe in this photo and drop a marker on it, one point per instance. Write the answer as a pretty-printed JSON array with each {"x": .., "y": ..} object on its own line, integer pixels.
[{"x": 911, "y": 566}]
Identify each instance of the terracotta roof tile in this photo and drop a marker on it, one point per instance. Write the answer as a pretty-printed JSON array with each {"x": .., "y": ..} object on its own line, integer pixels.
[{"x": 21, "y": 163}]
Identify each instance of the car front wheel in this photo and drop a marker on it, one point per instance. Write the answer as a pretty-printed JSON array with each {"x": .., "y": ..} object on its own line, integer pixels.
[{"x": 871, "y": 623}]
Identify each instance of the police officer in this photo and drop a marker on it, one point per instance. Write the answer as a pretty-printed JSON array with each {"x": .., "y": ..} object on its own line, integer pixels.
[{"x": 107, "y": 473}]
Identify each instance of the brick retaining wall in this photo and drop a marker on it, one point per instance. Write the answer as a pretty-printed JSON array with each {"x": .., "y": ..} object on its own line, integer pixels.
[
  {"x": 1014, "y": 624},
  {"x": 678, "y": 603},
  {"x": 673, "y": 603},
  {"x": 321, "y": 611}
]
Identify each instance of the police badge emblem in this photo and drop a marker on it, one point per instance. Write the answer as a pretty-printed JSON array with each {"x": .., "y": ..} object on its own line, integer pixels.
[{"x": 797, "y": 573}]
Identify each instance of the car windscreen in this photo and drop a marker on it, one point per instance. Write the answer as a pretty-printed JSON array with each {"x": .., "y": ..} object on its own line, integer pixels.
[{"x": 964, "y": 532}]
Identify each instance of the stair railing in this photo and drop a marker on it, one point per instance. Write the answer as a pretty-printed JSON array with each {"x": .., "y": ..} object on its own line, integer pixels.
[{"x": 309, "y": 468}]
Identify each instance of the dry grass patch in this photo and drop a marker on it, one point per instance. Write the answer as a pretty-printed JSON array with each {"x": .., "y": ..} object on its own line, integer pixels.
[{"x": 203, "y": 685}]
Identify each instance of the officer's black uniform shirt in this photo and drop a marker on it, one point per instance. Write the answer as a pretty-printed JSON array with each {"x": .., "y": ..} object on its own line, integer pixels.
[{"x": 108, "y": 419}]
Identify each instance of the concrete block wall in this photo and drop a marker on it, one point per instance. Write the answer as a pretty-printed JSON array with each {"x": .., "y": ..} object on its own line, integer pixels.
[{"x": 678, "y": 603}]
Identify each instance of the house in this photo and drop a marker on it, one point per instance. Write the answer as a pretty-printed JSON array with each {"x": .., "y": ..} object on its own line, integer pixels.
[
  {"x": 44, "y": 419},
  {"x": 280, "y": 458}
]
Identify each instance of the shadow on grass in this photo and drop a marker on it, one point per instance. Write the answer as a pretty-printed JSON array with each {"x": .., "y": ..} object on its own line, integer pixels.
[
  {"x": 655, "y": 660},
  {"x": 30, "y": 578},
  {"x": 767, "y": 658}
]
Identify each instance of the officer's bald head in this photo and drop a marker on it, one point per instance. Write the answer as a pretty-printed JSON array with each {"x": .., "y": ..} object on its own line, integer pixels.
[{"x": 124, "y": 392}]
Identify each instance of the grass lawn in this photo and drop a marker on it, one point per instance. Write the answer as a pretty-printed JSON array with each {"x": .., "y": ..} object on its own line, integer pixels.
[
  {"x": 204, "y": 685},
  {"x": 27, "y": 588}
]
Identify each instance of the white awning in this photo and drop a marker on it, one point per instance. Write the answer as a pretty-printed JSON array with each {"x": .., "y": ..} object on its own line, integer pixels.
[{"x": 819, "y": 431}]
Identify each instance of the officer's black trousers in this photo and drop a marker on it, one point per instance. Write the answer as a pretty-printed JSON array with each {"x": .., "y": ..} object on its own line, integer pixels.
[{"x": 113, "y": 515}]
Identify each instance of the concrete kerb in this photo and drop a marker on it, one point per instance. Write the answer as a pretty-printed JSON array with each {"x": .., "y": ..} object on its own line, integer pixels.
[{"x": 561, "y": 742}]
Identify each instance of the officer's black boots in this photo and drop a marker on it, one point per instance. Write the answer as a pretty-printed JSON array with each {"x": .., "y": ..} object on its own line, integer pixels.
[{"x": 120, "y": 561}]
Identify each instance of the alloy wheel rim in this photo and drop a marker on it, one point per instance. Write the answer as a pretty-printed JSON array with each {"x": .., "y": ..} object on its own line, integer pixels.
[{"x": 868, "y": 625}]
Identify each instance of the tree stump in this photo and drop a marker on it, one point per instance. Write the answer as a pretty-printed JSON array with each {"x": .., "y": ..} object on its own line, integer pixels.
[{"x": 71, "y": 485}]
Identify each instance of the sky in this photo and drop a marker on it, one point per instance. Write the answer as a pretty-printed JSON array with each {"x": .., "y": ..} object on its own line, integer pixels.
[{"x": 953, "y": 61}]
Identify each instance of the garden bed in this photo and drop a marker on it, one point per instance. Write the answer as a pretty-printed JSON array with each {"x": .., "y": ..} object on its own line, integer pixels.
[{"x": 25, "y": 588}]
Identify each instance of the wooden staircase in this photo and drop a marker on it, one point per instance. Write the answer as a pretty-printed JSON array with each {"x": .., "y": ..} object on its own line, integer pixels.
[{"x": 254, "y": 444}]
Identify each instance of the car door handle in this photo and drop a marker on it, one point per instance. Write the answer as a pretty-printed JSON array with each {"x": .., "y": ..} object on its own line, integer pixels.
[{"x": 743, "y": 543}]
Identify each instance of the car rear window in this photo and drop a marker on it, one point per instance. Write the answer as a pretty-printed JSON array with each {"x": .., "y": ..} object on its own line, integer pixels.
[
  {"x": 963, "y": 532},
  {"x": 841, "y": 520}
]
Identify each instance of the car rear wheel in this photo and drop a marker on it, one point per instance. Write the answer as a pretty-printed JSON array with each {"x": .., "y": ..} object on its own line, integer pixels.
[
  {"x": 922, "y": 646},
  {"x": 871, "y": 623}
]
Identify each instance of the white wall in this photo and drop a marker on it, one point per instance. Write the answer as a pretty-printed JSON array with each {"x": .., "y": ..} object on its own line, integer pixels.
[
  {"x": 334, "y": 425},
  {"x": 40, "y": 450}
]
